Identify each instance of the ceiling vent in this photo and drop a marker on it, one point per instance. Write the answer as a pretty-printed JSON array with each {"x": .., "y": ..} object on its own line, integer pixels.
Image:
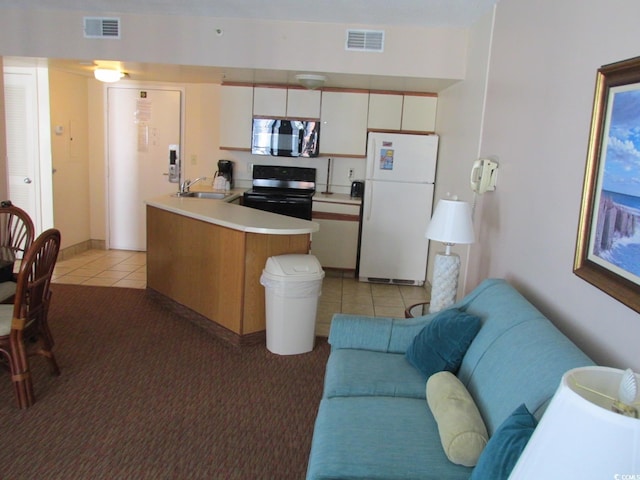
[
  {"x": 101, "y": 27},
  {"x": 365, "y": 40}
]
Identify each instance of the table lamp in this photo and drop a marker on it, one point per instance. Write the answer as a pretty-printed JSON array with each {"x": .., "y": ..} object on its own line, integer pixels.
[
  {"x": 451, "y": 224},
  {"x": 589, "y": 430}
]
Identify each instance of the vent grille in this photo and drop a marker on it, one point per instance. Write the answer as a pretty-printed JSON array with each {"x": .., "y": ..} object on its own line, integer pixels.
[
  {"x": 101, "y": 27},
  {"x": 365, "y": 40}
]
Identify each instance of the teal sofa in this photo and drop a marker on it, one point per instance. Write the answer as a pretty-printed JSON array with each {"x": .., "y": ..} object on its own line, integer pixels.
[{"x": 373, "y": 421}]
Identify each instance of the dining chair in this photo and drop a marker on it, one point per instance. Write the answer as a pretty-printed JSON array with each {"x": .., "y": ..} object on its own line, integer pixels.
[
  {"x": 16, "y": 235},
  {"x": 24, "y": 328}
]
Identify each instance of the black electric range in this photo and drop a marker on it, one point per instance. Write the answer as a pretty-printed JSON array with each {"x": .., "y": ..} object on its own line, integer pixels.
[{"x": 284, "y": 190}]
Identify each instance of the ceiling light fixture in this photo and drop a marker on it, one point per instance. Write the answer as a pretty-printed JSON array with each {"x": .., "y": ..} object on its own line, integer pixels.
[
  {"x": 108, "y": 75},
  {"x": 311, "y": 81}
]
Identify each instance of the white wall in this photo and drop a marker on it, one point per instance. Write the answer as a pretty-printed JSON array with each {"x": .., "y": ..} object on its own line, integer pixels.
[
  {"x": 540, "y": 94},
  {"x": 459, "y": 124},
  {"x": 276, "y": 45}
]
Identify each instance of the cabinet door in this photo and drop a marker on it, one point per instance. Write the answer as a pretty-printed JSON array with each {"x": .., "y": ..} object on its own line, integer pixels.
[
  {"x": 236, "y": 106},
  {"x": 303, "y": 103},
  {"x": 269, "y": 102},
  {"x": 419, "y": 113},
  {"x": 336, "y": 243},
  {"x": 343, "y": 131},
  {"x": 385, "y": 111}
]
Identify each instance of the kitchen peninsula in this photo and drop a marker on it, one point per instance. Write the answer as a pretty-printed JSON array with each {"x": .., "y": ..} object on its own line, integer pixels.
[{"x": 208, "y": 255}]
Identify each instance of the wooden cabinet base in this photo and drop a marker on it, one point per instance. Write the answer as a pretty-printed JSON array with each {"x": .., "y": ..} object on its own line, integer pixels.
[
  {"x": 213, "y": 270},
  {"x": 206, "y": 324}
]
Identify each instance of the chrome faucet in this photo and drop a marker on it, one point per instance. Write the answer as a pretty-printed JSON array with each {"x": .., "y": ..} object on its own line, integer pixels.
[{"x": 187, "y": 184}]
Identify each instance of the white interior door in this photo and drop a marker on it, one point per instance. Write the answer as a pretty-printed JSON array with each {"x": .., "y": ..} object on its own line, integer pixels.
[
  {"x": 26, "y": 98},
  {"x": 142, "y": 123}
]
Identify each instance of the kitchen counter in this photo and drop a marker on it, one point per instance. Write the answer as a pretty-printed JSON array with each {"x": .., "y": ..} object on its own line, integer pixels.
[
  {"x": 205, "y": 258},
  {"x": 337, "y": 198},
  {"x": 235, "y": 217}
]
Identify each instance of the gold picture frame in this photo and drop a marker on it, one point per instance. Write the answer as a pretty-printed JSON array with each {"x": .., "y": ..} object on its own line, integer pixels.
[{"x": 609, "y": 226}]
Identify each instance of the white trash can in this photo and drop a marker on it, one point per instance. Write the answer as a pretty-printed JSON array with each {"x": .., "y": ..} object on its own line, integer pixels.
[{"x": 292, "y": 284}]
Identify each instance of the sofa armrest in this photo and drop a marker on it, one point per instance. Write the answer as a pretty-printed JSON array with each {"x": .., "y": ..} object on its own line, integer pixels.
[
  {"x": 380, "y": 334},
  {"x": 360, "y": 332}
]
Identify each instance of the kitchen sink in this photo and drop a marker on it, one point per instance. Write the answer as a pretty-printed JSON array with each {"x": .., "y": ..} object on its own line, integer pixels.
[{"x": 214, "y": 195}]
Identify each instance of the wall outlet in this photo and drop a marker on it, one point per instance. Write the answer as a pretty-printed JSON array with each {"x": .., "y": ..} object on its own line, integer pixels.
[{"x": 351, "y": 174}]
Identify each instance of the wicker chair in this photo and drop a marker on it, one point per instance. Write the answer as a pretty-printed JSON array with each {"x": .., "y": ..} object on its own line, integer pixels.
[
  {"x": 24, "y": 329},
  {"x": 16, "y": 236}
]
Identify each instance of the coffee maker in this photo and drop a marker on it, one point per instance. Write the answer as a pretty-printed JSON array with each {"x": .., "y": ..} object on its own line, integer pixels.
[{"x": 225, "y": 169}]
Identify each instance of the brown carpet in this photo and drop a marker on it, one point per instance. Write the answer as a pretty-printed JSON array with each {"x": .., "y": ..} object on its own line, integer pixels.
[{"x": 144, "y": 394}]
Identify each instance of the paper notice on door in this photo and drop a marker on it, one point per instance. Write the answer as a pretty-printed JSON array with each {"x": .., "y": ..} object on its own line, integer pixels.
[
  {"x": 386, "y": 159},
  {"x": 143, "y": 110},
  {"x": 143, "y": 138}
]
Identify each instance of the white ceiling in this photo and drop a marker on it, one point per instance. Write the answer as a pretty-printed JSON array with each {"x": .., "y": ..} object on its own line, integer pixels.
[{"x": 363, "y": 12}]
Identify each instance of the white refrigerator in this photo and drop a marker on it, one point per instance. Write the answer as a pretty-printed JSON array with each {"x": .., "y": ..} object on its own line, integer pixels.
[{"x": 397, "y": 203}]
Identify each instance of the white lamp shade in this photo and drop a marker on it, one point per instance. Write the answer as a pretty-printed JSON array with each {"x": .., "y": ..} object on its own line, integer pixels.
[
  {"x": 107, "y": 75},
  {"x": 579, "y": 436},
  {"x": 451, "y": 223}
]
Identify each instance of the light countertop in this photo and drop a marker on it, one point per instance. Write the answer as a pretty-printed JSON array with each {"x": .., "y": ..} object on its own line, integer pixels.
[
  {"x": 236, "y": 217},
  {"x": 336, "y": 198}
]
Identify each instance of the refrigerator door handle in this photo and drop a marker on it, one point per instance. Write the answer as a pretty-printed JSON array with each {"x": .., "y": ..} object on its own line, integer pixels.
[
  {"x": 368, "y": 192},
  {"x": 372, "y": 156}
]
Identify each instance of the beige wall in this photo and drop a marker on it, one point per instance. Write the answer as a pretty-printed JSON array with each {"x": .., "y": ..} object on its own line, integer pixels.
[
  {"x": 4, "y": 187},
  {"x": 540, "y": 94},
  {"x": 70, "y": 156}
]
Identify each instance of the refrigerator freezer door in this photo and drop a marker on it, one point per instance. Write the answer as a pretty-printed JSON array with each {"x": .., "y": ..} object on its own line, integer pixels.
[
  {"x": 397, "y": 157},
  {"x": 393, "y": 247}
]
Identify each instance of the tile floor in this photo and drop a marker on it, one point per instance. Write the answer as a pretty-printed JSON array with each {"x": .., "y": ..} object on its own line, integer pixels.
[
  {"x": 341, "y": 292},
  {"x": 106, "y": 268}
]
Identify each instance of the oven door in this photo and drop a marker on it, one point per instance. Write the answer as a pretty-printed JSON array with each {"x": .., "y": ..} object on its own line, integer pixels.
[{"x": 299, "y": 207}]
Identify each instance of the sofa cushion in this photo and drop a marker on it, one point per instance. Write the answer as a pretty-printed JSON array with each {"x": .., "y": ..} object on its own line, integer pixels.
[
  {"x": 441, "y": 345},
  {"x": 505, "y": 446},
  {"x": 462, "y": 431},
  {"x": 374, "y": 438},
  {"x": 518, "y": 356},
  {"x": 362, "y": 372},
  {"x": 523, "y": 365}
]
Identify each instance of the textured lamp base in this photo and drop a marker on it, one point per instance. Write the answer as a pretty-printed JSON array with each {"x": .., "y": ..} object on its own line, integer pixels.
[{"x": 445, "y": 281}]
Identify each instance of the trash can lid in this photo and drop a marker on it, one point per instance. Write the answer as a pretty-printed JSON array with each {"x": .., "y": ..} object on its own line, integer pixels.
[{"x": 302, "y": 267}]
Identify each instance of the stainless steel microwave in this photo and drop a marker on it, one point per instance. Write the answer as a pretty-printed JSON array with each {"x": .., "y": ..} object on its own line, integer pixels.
[{"x": 285, "y": 138}]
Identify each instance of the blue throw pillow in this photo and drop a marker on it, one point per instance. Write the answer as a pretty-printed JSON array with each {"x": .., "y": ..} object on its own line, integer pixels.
[
  {"x": 441, "y": 345},
  {"x": 505, "y": 446}
]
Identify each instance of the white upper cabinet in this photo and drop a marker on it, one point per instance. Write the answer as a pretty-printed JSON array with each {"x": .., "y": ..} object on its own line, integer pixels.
[
  {"x": 419, "y": 113},
  {"x": 415, "y": 113},
  {"x": 286, "y": 103},
  {"x": 385, "y": 111},
  {"x": 343, "y": 129},
  {"x": 302, "y": 103},
  {"x": 236, "y": 106},
  {"x": 270, "y": 102}
]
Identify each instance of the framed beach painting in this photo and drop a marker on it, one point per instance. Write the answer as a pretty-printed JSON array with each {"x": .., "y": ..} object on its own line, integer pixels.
[{"x": 608, "y": 244}]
